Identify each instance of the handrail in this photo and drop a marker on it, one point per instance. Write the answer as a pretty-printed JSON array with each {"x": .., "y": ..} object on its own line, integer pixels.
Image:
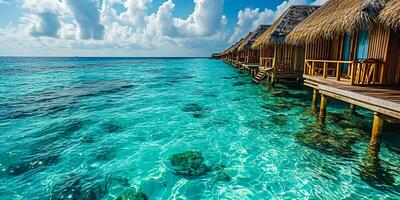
[
  {"x": 367, "y": 72},
  {"x": 331, "y": 61},
  {"x": 267, "y": 62}
]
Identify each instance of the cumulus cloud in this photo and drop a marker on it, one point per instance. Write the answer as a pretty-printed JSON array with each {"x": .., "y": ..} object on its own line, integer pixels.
[
  {"x": 43, "y": 19},
  {"x": 45, "y": 24},
  {"x": 98, "y": 23},
  {"x": 136, "y": 11},
  {"x": 205, "y": 19},
  {"x": 249, "y": 19},
  {"x": 87, "y": 16}
]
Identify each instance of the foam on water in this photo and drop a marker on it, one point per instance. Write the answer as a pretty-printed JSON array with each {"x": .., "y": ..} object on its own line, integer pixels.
[{"x": 102, "y": 127}]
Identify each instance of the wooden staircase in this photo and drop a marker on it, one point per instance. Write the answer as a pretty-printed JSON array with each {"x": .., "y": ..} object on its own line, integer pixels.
[{"x": 260, "y": 76}]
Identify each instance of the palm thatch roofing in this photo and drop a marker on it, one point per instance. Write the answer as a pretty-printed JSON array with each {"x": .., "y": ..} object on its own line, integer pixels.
[
  {"x": 337, "y": 17},
  {"x": 284, "y": 25},
  {"x": 390, "y": 15},
  {"x": 235, "y": 46},
  {"x": 252, "y": 37}
]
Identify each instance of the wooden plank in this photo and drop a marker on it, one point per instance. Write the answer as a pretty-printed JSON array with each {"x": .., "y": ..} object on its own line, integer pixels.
[{"x": 374, "y": 103}]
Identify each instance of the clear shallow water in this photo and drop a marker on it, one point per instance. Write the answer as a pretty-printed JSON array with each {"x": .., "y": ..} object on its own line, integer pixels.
[{"x": 98, "y": 126}]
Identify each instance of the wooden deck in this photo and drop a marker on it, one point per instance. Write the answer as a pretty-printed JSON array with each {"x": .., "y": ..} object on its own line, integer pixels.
[
  {"x": 314, "y": 81},
  {"x": 286, "y": 75},
  {"x": 382, "y": 100},
  {"x": 249, "y": 65}
]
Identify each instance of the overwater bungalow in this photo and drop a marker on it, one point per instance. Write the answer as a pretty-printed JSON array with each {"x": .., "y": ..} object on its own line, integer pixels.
[
  {"x": 352, "y": 54},
  {"x": 251, "y": 57},
  {"x": 233, "y": 54},
  {"x": 279, "y": 60}
]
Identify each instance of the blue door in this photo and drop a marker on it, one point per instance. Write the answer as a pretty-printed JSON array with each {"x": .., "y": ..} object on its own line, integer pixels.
[
  {"x": 362, "y": 45},
  {"x": 346, "y": 52}
]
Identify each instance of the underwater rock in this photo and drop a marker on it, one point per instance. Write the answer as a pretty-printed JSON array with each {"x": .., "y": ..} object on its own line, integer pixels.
[
  {"x": 76, "y": 187},
  {"x": 195, "y": 110},
  {"x": 71, "y": 192},
  {"x": 279, "y": 119},
  {"x": 221, "y": 175},
  {"x": 193, "y": 107},
  {"x": 105, "y": 154},
  {"x": 111, "y": 127},
  {"x": 239, "y": 83},
  {"x": 326, "y": 142},
  {"x": 189, "y": 164},
  {"x": 132, "y": 194},
  {"x": 20, "y": 168}
]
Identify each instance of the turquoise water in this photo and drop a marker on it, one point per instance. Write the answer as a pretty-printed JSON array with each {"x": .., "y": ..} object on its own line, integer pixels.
[{"x": 94, "y": 128}]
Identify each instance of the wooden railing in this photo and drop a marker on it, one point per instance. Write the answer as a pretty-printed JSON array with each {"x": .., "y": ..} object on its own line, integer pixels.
[
  {"x": 251, "y": 60},
  {"x": 368, "y": 72},
  {"x": 283, "y": 65},
  {"x": 267, "y": 62}
]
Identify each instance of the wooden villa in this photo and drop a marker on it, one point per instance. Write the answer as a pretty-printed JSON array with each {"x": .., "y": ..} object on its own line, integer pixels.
[
  {"x": 233, "y": 54},
  {"x": 251, "y": 57},
  {"x": 352, "y": 54},
  {"x": 278, "y": 59}
]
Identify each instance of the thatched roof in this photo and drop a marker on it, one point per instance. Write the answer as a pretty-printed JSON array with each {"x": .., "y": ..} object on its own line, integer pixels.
[
  {"x": 337, "y": 17},
  {"x": 252, "y": 37},
  {"x": 390, "y": 15},
  {"x": 235, "y": 46},
  {"x": 284, "y": 25}
]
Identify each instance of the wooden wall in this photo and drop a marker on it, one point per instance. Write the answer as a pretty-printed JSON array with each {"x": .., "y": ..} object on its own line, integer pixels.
[
  {"x": 290, "y": 56},
  {"x": 393, "y": 59},
  {"x": 267, "y": 51},
  {"x": 319, "y": 50}
]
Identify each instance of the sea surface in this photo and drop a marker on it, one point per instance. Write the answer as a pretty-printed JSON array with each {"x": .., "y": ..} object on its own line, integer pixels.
[{"x": 100, "y": 128}]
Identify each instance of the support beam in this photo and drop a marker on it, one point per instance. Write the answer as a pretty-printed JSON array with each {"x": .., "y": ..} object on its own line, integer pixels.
[
  {"x": 322, "y": 107},
  {"x": 352, "y": 109},
  {"x": 314, "y": 98},
  {"x": 377, "y": 128}
]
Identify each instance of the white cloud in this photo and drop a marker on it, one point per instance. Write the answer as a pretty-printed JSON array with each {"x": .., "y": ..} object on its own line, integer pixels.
[
  {"x": 85, "y": 24},
  {"x": 205, "y": 19},
  {"x": 45, "y": 24},
  {"x": 249, "y": 19},
  {"x": 87, "y": 16}
]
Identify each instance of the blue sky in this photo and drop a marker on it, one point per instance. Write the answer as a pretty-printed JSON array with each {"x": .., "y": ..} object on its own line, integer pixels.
[{"x": 131, "y": 27}]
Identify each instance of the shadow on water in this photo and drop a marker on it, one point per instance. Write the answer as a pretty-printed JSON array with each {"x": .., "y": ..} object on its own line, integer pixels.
[
  {"x": 46, "y": 146},
  {"x": 196, "y": 110},
  {"x": 37, "y": 163},
  {"x": 315, "y": 136},
  {"x": 52, "y": 102},
  {"x": 80, "y": 187},
  {"x": 373, "y": 172}
]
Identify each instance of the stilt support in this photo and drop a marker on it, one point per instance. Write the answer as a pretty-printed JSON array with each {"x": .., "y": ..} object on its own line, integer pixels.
[
  {"x": 352, "y": 109},
  {"x": 322, "y": 107},
  {"x": 376, "y": 131},
  {"x": 314, "y": 98}
]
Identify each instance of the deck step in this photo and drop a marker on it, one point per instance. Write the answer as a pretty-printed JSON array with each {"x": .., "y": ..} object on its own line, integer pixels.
[{"x": 260, "y": 76}]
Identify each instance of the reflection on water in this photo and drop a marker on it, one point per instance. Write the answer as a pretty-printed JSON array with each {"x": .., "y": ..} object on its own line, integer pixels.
[
  {"x": 374, "y": 173},
  {"x": 317, "y": 137}
]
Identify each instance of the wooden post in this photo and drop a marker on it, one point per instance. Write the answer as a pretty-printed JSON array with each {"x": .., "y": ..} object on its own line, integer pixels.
[
  {"x": 325, "y": 72},
  {"x": 322, "y": 108},
  {"x": 376, "y": 131},
  {"x": 338, "y": 71},
  {"x": 352, "y": 109},
  {"x": 314, "y": 98}
]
